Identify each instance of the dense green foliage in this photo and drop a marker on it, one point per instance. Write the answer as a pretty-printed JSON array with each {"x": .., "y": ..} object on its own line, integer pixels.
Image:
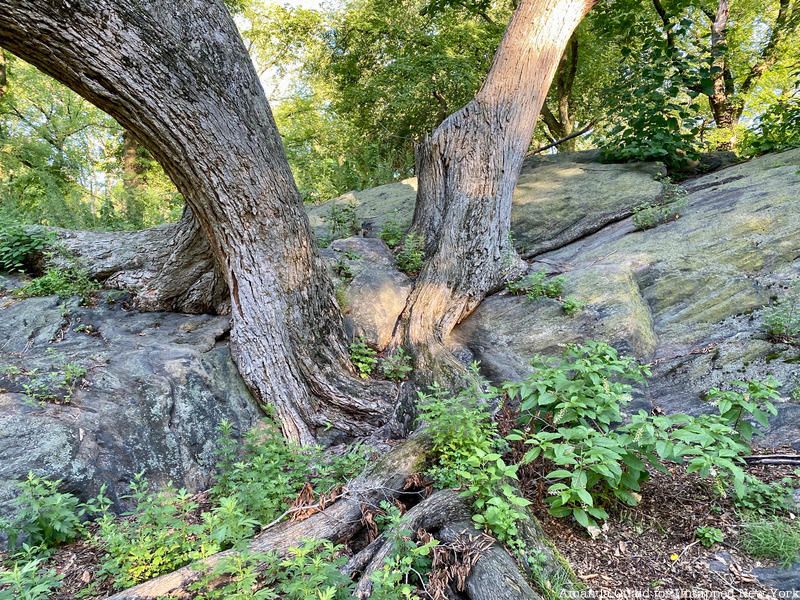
[
  {"x": 61, "y": 161},
  {"x": 571, "y": 430}
]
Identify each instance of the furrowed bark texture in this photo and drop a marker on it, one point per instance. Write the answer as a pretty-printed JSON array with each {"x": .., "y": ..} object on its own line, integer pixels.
[
  {"x": 177, "y": 76},
  {"x": 467, "y": 171},
  {"x": 169, "y": 267}
]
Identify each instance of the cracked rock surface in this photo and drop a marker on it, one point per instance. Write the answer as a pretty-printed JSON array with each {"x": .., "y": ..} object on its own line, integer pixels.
[{"x": 155, "y": 389}]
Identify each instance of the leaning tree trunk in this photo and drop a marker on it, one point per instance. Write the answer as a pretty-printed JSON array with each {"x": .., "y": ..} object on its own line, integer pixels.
[
  {"x": 467, "y": 170},
  {"x": 180, "y": 80}
]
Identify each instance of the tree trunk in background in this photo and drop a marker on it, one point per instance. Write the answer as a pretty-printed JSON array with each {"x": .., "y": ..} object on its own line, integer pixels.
[
  {"x": 562, "y": 126},
  {"x": 467, "y": 170},
  {"x": 726, "y": 116},
  {"x": 132, "y": 179},
  {"x": 181, "y": 82}
]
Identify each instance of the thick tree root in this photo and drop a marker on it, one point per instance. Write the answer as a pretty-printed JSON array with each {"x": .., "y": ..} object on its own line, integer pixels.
[
  {"x": 338, "y": 523},
  {"x": 467, "y": 563},
  {"x": 169, "y": 267}
]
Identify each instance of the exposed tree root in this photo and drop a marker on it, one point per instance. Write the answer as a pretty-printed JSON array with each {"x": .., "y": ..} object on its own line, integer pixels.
[
  {"x": 169, "y": 267},
  {"x": 338, "y": 523}
]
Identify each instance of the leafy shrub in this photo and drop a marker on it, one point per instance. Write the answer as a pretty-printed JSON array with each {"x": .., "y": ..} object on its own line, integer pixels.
[
  {"x": 401, "y": 574},
  {"x": 570, "y": 416},
  {"x": 62, "y": 282},
  {"x": 308, "y": 571},
  {"x": 537, "y": 285},
  {"x": 467, "y": 448},
  {"x": 409, "y": 259},
  {"x": 708, "y": 536},
  {"x": 777, "y": 129},
  {"x": 28, "y": 581},
  {"x": 650, "y": 119},
  {"x": 20, "y": 247},
  {"x": 773, "y": 539},
  {"x": 397, "y": 365},
  {"x": 44, "y": 515},
  {"x": 782, "y": 321},
  {"x": 363, "y": 357},
  {"x": 392, "y": 233}
]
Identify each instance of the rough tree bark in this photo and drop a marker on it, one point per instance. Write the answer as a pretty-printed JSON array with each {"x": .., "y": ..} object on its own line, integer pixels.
[
  {"x": 467, "y": 170},
  {"x": 179, "y": 79}
]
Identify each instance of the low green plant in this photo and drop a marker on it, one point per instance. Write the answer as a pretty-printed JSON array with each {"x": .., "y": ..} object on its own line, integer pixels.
[
  {"x": 56, "y": 385},
  {"x": 773, "y": 539},
  {"x": 571, "y": 306},
  {"x": 155, "y": 538},
  {"x": 342, "y": 220},
  {"x": 397, "y": 365},
  {"x": 766, "y": 499},
  {"x": 308, "y": 572},
  {"x": 782, "y": 321},
  {"x": 267, "y": 472},
  {"x": 343, "y": 270},
  {"x": 708, "y": 536},
  {"x": 29, "y": 580},
  {"x": 537, "y": 285},
  {"x": 667, "y": 208},
  {"x": 403, "y": 571},
  {"x": 21, "y": 247},
  {"x": 241, "y": 577},
  {"x": 468, "y": 452},
  {"x": 570, "y": 415},
  {"x": 64, "y": 283},
  {"x": 409, "y": 259},
  {"x": 363, "y": 357},
  {"x": 44, "y": 515},
  {"x": 392, "y": 233}
]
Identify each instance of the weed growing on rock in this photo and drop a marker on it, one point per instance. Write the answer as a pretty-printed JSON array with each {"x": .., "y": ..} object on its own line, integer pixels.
[
  {"x": 572, "y": 306},
  {"x": 537, "y": 285},
  {"x": 63, "y": 283},
  {"x": 342, "y": 220},
  {"x": 363, "y": 357},
  {"x": 392, "y": 233},
  {"x": 782, "y": 321},
  {"x": 667, "y": 208},
  {"x": 409, "y": 259}
]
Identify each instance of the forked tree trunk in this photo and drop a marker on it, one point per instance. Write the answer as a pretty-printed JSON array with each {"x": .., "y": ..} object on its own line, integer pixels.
[
  {"x": 179, "y": 79},
  {"x": 468, "y": 168}
]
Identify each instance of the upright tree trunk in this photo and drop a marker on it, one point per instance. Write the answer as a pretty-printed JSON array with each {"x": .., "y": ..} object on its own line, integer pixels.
[
  {"x": 132, "y": 179},
  {"x": 468, "y": 168},
  {"x": 179, "y": 79},
  {"x": 561, "y": 126},
  {"x": 726, "y": 116}
]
